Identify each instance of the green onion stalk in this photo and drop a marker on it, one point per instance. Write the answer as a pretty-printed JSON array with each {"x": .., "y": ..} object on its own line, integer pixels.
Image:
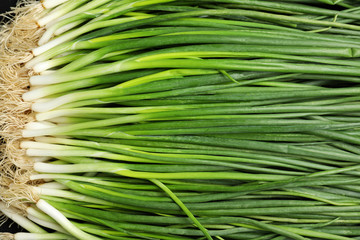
[{"x": 175, "y": 120}]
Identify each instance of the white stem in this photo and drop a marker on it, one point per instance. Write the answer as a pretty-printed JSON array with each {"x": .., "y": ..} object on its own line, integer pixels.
[
  {"x": 37, "y": 145},
  {"x": 39, "y": 125},
  {"x": 62, "y": 120},
  {"x": 83, "y": 9},
  {"x": 20, "y": 220},
  {"x": 52, "y": 225},
  {"x": 42, "y": 66},
  {"x": 38, "y": 80},
  {"x": 66, "y": 177},
  {"x": 37, "y": 93},
  {"x": 38, "y": 214},
  {"x": 67, "y": 27},
  {"x": 61, "y": 51},
  {"x": 51, "y": 104},
  {"x": 48, "y": 72},
  {"x": 51, "y": 168},
  {"x": 50, "y": 17},
  {"x": 63, "y": 221},
  {"x": 34, "y": 94},
  {"x": 49, "y": 33},
  {"x": 52, "y": 3},
  {"x": 51, "y": 139},
  {"x": 53, "y": 185},
  {"x": 43, "y": 236},
  {"x": 53, "y": 43},
  {"x": 57, "y": 61},
  {"x": 67, "y": 152},
  {"x": 81, "y": 30},
  {"x": 34, "y": 133},
  {"x": 76, "y": 168},
  {"x": 59, "y": 11},
  {"x": 46, "y": 177},
  {"x": 70, "y": 195},
  {"x": 40, "y": 159},
  {"x": 35, "y": 88},
  {"x": 46, "y": 146},
  {"x": 51, "y": 114}
]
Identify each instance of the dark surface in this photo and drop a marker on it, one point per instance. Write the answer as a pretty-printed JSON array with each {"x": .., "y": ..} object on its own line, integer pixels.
[
  {"x": 8, "y": 226},
  {"x": 6, "y": 4}
]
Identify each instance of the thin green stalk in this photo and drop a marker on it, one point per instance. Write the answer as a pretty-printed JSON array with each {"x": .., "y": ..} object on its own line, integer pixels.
[
  {"x": 182, "y": 206},
  {"x": 183, "y": 114},
  {"x": 199, "y": 202},
  {"x": 224, "y": 64},
  {"x": 188, "y": 186},
  {"x": 120, "y": 169},
  {"x": 312, "y": 233},
  {"x": 253, "y": 14},
  {"x": 59, "y": 11},
  {"x": 184, "y": 83},
  {"x": 69, "y": 86},
  {"x": 291, "y": 7},
  {"x": 226, "y": 37}
]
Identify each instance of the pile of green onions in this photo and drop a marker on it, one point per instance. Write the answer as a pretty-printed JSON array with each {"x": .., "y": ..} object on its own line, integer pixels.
[{"x": 207, "y": 119}]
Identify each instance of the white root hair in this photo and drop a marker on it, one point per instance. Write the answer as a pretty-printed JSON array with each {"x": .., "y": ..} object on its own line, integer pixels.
[{"x": 19, "y": 34}]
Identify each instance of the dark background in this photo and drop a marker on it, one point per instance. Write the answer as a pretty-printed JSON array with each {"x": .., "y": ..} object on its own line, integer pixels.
[
  {"x": 6, "y": 4},
  {"x": 8, "y": 226}
]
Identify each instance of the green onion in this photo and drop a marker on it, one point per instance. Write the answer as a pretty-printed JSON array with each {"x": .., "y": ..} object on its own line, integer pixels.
[{"x": 164, "y": 119}]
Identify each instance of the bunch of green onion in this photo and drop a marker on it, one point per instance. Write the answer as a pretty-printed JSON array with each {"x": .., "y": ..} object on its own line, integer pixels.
[{"x": 206, "y": 119}]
